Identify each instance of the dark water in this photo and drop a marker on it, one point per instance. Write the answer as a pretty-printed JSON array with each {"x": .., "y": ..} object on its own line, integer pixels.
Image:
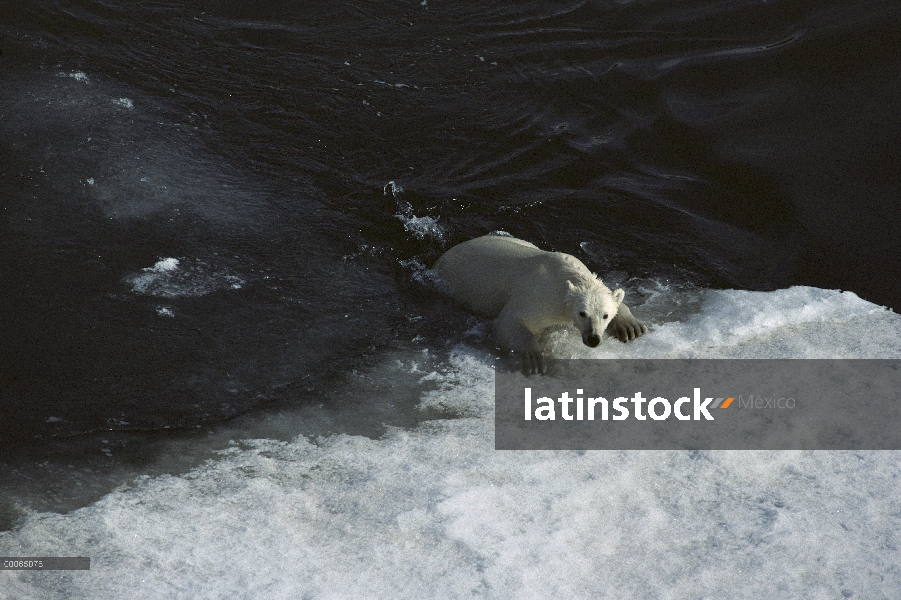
[{"x": 726, "y": 144}]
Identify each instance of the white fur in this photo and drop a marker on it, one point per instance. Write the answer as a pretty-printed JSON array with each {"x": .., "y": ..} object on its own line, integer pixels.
[{"x": 526, "y": 290}]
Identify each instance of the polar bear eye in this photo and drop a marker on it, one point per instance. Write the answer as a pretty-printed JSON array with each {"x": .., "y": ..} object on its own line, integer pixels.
[
  {"x": 605, "y": 317},
  {"x": 582, "y": 313}
]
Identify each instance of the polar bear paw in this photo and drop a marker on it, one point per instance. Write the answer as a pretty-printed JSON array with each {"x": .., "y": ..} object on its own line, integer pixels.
[
  {"x": 533, "y": 363},
  {"x": 625, "y": 327}
]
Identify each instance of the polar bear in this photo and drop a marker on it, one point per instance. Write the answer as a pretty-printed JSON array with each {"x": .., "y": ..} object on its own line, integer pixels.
[{"x": 526, "y": 290}]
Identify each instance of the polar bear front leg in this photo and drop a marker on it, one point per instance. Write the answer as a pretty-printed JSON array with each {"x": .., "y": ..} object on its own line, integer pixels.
[
  {"x": 624, "y": 326},
  {"x": 512, "y": 334}
]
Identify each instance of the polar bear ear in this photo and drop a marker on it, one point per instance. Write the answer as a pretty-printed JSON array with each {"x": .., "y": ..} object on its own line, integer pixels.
[{"x": 618, "y": 296}]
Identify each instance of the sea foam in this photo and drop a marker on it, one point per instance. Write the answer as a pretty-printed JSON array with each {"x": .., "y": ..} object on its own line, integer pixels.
[{"x": 173, "y": 278}]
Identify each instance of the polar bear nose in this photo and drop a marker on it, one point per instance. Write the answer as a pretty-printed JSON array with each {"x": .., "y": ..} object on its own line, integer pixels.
[{"x": 593, "y": 340}]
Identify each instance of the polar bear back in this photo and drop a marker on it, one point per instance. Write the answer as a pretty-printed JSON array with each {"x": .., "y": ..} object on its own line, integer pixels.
[{"x": 485, "y": 272}]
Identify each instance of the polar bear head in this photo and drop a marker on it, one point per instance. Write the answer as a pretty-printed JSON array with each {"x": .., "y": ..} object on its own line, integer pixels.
[{"x": 593, "y": 306}]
